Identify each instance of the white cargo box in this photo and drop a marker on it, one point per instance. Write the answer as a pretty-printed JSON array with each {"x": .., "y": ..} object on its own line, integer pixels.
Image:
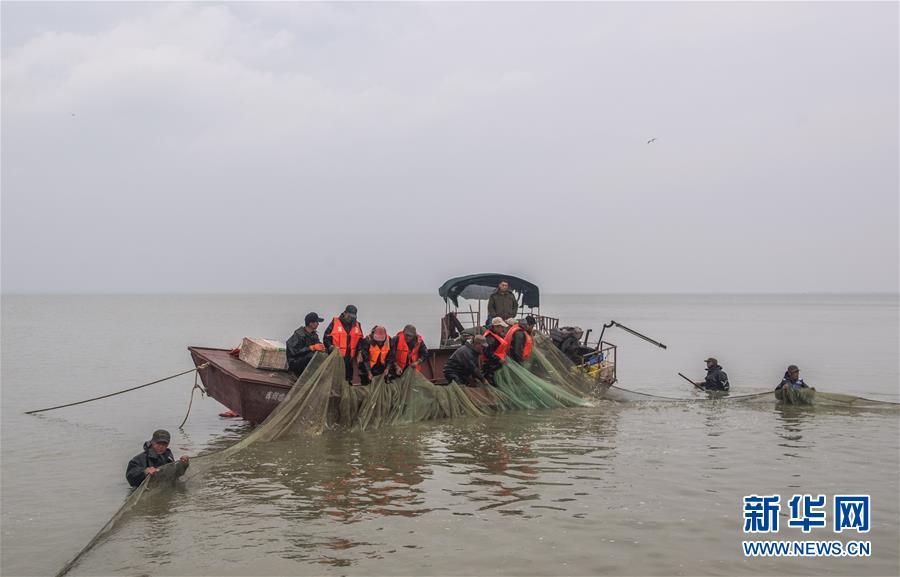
[{"x": 264, "y": 353}]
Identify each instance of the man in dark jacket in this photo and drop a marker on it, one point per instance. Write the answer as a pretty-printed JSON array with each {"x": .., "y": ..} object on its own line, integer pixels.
[
  {"x": 464, "y": 365},
  {"x": 156, "y": 454},
  {"x": 502, "y": 303},
  {"x": 716, "y": 378},
  {"x": 303, "y": 344},
  {"x": 792, "y": 379}
]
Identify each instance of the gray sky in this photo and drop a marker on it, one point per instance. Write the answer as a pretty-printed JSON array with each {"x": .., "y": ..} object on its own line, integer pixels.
[{"x": 306, "y": 148}]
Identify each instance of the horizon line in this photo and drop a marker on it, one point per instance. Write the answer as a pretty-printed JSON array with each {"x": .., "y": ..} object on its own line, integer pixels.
[{"x": 329, "y": 293}]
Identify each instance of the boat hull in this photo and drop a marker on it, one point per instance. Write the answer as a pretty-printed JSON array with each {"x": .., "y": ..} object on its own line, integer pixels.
[{"x": 254, "y": 393}]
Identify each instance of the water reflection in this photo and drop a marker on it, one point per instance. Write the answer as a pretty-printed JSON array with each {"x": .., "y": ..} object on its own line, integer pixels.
[{"x": 793, "y": 419}]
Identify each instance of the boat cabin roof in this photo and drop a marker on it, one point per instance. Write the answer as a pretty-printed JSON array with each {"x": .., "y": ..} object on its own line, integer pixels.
[{"x": 481, "y": 286}]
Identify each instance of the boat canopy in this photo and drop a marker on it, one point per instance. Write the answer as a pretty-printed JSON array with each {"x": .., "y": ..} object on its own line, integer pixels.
[{"x": 481, "y": 286}]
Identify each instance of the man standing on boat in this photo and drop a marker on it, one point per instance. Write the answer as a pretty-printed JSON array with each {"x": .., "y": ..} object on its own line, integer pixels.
[
  {"x": 792, "y": 379},
  {"x": 464, "y": 365},
  {"x": 496, "y": 346},
  {"x": 374, "y": 355},
  {"x": 407, "y": 350},
  {"x": 303, "y": 344},
  {"x": 716, "y": 378},
  {"x": 519, "y": 339},
  {"x": 502, "y": 303},
  {"x": 344, "y": 333},
  {"x": 156, "y": 454}
]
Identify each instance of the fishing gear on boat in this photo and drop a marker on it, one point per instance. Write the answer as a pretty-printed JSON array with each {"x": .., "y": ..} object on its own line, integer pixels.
[
  {"x": 196, "y": 384},
  {"x": 630, "y": 331}
]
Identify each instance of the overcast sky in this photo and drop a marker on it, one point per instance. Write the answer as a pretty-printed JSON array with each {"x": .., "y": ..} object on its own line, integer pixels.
[{"x": 308, "y": 148}]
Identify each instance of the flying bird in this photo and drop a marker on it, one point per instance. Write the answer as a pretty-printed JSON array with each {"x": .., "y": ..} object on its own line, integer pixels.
[{"x": 651, "y": 141}]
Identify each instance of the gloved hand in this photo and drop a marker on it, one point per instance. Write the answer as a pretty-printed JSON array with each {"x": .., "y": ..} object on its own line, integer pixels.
[{"x": 317, "y": 347}]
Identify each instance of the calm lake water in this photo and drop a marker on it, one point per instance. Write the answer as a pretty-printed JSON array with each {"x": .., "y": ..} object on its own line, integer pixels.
[{"x": 620, "y": 488}]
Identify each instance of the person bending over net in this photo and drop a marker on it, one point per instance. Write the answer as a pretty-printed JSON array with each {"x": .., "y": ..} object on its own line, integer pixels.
[
  {"x": 156, "y": 454},
  {"x": 374, "y": 353},
  {"x": 464, "y": 365},
  {"x": 496, "y": 347}
]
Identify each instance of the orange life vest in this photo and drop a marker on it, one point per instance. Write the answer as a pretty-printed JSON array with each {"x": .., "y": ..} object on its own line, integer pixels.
[
  {"x": 526, "y": 350},
  {"x": 500, "y": 353},
  {"x": 403, "y": 354},
  {"x": 339, "y": 337},
  {"x": 378, "y": 354}
]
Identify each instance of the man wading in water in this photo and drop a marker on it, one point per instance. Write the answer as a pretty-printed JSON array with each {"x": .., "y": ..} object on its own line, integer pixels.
[
  {"x": 716, "y": 378},
  {"x": 156, "y": 454}
]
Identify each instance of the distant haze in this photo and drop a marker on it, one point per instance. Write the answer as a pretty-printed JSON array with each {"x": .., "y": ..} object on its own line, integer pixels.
[{"x": 382, "y": 148}]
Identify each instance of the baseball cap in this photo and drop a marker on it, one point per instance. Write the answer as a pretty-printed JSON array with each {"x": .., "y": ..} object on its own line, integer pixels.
[
  {"x": 161, "y": 436},
  {"x": 350, "y": 309},
  {"x": 313, "y": 318},
  {"x": 498, "y": 322}
]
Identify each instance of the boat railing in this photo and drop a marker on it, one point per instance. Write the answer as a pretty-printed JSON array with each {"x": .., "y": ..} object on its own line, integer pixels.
[{"x": 604, "y": 362}]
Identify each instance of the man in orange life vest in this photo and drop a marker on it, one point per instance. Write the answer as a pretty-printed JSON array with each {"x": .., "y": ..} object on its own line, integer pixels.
[
  {"x": 518, "y": 337},
  {"x": 494, "y": 354},
  {"x": 344, "y": 334},
  {"x": 407, "y": 350},
  {"x": 373, "y": 353}
]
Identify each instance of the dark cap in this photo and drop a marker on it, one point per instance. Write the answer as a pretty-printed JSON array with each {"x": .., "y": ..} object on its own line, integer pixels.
[
  {"x": 161, "y": 436},
  {"x": 410, "y": 330},
  {"x": 793, "y": 368},
  {"x": 350, "y": 310},
  {"x": 712, "y": 360},
  {"x": 313, "y": 318},
  {"x": 530, "y": 320}
]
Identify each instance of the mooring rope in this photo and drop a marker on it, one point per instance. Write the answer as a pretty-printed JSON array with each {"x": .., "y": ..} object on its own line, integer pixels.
[
  {"x": 197, "y": 385},
  {"x": 203, "y": 366}
]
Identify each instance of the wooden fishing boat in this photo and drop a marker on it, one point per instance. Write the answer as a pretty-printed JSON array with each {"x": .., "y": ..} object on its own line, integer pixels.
[
  {"x": 254, "y": 393},
  {"x": 792, "y": 396}
]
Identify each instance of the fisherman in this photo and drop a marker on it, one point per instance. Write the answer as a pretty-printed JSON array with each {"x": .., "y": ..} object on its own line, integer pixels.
[
  {"x": 494, "y": 354},
  {"x": 716, "y": 378},
  {"x": 303, "y": 344},
  {"x": 519, "y": 338},
  {"x": 407, "y": 349},
  {"x": 374, "y": 353},
  {"x": 502, "y": 302},
  {"x": 344, "y": 333},
  {"x": 792, "y": 379},
  {"x": 156, "y": 454},
  {"x": 464, "y": 365}
]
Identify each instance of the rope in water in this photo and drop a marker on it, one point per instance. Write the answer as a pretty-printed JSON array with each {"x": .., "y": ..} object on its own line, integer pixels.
[
  {"x": 747, "y": 396},
  {"x": 203, "y": 366}
]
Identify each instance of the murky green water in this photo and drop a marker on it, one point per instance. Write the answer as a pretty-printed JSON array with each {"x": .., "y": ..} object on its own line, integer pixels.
[{"x": 636, "y": 488}]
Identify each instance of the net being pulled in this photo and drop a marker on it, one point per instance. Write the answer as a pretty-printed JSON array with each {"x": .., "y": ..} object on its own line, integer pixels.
[{"x": 322, "y": 400}]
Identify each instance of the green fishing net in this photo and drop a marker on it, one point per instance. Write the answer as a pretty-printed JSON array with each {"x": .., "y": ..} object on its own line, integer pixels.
[{"x": 322, "y": 400}]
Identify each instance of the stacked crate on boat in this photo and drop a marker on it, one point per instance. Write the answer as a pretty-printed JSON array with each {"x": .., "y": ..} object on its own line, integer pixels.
[{"x": 263, "y": 353}]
